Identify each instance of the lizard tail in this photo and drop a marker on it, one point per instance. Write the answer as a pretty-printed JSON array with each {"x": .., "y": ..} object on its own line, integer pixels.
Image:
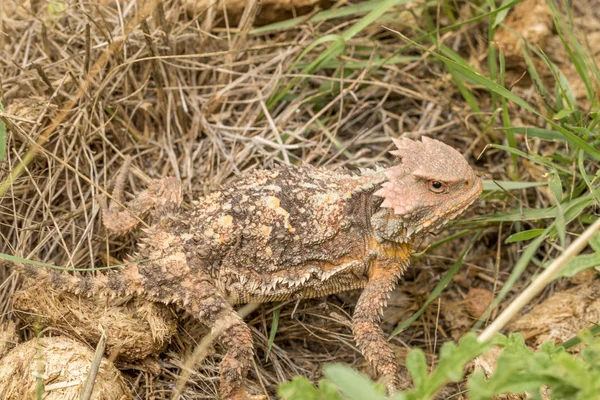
[{"x": 113, "y": 283}]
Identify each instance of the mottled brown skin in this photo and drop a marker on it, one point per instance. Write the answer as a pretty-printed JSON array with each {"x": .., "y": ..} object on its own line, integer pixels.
[{"x": 292, "y": 232}]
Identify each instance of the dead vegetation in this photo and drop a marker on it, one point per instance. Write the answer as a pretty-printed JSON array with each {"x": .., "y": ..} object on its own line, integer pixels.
[
  {"x": 137, "y": 328},
  {"x": 186, "y": 92},
  {"x": 59, "y": 366}
]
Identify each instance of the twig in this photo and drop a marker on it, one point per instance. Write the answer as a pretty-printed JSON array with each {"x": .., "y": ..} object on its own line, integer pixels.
[
  {"x": 541, "y": 281},
  {"x": 88, "y": 388}
]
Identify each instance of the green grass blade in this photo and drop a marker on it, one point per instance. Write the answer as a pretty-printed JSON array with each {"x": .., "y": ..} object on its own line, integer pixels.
[
  {"x": 545, "y": 134},
  {"x": 479, "y": 79},
  {"x": 372, "y": 16},
  {"x": 339, "y": 44},
  {"x": 583, "y": 172},
  {"x": 356, "y": 9},
  {"x": 273, "y": 332},
  {"x": 374, "y": 64},
  {"x": 556, "y": 189},
  {"x": 446, "y": 279},
  {"x": 489, "y": 185},
  {"x": 3, "y": 136},
  {"x": 516, "y": 273},
  {"x": 535, "y": 76},
  {"x": 534, "y": 158},
  {"x": 465, "y": 93},
  {"x": 333, "y": 50},
  {"x": 579, "y": 59},
  {"x": 574, "y": 341},
  {"x": 572, "y": 209}
]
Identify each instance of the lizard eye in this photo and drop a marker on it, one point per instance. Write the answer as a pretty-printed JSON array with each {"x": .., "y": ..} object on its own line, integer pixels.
[{"x": 437, "y": 186}]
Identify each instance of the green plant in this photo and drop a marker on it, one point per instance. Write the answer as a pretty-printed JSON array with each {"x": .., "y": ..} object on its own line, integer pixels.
[
  {"x": 519, "y": 370},
  {"x": 559, "y": 123}
]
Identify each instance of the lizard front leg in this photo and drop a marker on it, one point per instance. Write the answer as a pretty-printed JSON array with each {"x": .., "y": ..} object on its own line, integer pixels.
[{"x": 366, "y": 321}]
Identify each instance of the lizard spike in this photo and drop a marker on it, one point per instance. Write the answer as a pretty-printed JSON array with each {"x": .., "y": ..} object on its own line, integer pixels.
[
  {"x": 381, "y": 192},
  {"x": 399, "y": 142}
]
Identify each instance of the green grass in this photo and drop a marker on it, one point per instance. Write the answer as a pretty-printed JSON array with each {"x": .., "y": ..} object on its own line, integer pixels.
[
  {"x": 572, "y": 178},
  {"x": 343, "y": 60}
]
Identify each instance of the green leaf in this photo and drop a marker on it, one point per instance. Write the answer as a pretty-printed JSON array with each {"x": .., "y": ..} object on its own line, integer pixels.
[
  {"x": 591, "y": 354},
  {"x": 299, "y": 388},
  {"x": 499, "y": 18},
  {"x": 524, "y": 235},
  {"x": 595, "y": 242},
  {"x": 353, "y": 385},
  {"x": 562, "y": 114},
  {"x": 417, "y": 366},
  {"x": 578, "y": 264},
  {"x": 450, "y": 368},
  {"x": 328, "y": 391}
]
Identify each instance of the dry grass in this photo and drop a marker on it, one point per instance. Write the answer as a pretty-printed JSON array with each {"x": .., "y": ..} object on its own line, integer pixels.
[
  {"x": 59, "y": 365},
  {"x": 186, "y": 95}
]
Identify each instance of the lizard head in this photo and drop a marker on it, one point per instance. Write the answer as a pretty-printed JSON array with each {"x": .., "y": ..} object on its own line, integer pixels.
[{"x": 432, "y": 184}]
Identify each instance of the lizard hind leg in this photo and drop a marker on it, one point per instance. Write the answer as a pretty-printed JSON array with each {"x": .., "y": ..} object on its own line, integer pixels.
[
  {"x": 160, "y": 196},
  {"x": 210, "y": 307}
]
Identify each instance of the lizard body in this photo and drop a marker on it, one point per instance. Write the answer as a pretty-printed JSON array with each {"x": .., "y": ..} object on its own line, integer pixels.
[{"x": 286, "y": 233}]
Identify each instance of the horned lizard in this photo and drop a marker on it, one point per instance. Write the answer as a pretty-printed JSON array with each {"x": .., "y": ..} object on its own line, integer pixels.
[{"x": 286, "y": 233}]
